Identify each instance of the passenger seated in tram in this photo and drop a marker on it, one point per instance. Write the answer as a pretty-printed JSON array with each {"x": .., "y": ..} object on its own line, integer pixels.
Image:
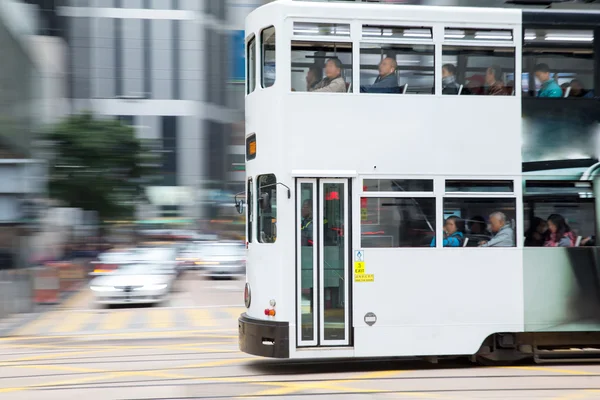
[
  {"x": 449, "y": 84},
  {"x": 577, "y": 89},
  {"x": 476, "y": 84},
  {"x": 536, "y": 234},
  {"x": 313, "y": 77},
  {"x": 387, "y": 81},
  {"x": 504, "y": 235},
  {"x": 453, "y": 232},
  {"x": 559, "y": 233},
  {"x": 333, "y": 82},
  {"x": 493, "y": 80},
  {"x": 550, "y": 87}
]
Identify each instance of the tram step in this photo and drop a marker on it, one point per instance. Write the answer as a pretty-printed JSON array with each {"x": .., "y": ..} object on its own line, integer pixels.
[{"x": 566, "y": 355}]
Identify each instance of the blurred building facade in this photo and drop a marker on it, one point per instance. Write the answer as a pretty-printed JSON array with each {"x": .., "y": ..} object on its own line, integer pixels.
[
  {"x": 161, "y": 66},
  {"x": 31, "y": 95}
]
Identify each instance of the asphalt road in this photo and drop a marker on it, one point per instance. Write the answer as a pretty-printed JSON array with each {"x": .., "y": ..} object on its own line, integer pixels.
[{"x": 188, "y": 350}]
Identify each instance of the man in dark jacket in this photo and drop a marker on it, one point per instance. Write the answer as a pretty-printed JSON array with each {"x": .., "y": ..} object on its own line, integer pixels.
[{"x": 386, "y": 82}]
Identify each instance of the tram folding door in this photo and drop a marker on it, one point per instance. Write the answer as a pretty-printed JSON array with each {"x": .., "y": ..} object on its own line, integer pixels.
[{"x": 322, "y": 263}]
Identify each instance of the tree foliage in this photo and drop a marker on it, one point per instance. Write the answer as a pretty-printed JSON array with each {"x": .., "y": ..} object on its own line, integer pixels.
[{"x": 100, "y": 165}]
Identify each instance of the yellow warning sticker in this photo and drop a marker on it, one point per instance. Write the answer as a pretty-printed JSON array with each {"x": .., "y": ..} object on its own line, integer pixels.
[
  {"x": 363, "y": 214},
  {"x": 364, "y": 278},
  {"x": 359, "y": 267}
]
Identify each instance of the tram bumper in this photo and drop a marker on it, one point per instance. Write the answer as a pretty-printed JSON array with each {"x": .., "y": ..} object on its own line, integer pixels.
[{"x": 264, "y": 338}]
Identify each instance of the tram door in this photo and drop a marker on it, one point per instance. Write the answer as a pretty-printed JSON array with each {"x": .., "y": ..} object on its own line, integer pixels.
[{"x": 322, "y": 249}]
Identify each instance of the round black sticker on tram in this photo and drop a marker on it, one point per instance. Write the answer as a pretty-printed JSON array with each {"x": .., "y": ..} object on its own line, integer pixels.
[{"x": 370, "y": 319}]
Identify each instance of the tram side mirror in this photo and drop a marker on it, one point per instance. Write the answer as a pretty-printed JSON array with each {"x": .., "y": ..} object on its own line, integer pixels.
[{"x": 239, "y": 206}]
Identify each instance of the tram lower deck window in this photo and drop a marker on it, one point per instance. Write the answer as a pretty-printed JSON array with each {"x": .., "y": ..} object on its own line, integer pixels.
[
  {"x": 267, "y": 208},
  {"x": 475, "y": 222},
  {"x": 397, "y": 222}
]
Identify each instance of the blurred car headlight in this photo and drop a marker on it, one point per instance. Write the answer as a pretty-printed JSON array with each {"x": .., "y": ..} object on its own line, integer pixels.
[
  {"x": 102, "y": 288},
  {"x": 154, "y": 287}
]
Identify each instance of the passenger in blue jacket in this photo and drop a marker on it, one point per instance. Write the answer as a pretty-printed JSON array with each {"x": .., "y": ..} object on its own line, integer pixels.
[
  {"x": 453, "y": 232},
  {"x": 387, "y": 81},
  {"x": 550, "y": 87}
]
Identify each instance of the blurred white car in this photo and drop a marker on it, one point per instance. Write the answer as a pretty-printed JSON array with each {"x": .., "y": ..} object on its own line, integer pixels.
[
  {"x": 142, "y": 283},
  {"x": 222, "y": 259}
]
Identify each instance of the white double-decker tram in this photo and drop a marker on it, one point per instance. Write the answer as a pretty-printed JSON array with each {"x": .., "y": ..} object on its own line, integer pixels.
[{"x": 385, "y": 190}]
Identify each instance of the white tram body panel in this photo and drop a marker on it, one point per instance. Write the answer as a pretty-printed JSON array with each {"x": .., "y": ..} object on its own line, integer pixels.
[{"x": 442, "y": 301}]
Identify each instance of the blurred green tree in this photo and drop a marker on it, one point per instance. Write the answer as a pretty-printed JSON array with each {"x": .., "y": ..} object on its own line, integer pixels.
[{"x": 100, "y": 165}]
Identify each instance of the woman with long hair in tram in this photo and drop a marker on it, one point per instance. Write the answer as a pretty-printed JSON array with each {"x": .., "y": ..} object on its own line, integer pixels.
[
  {"x": 535, "y": 235},
  {"x": 559, "y": 232},
  {"x": 454, "y": 228}
]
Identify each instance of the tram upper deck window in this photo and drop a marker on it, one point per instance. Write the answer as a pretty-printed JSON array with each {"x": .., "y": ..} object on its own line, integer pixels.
[
  {"x": 251, "y": 64},
  {"x": 267, "y": 38},
  {"x": 321, "y": 29},
  {"x": 478, "y": 70},
  {"x": 397, "y": 68},
  {"x": 321, "y": 66},
  {"x": 558, "y": 63}
]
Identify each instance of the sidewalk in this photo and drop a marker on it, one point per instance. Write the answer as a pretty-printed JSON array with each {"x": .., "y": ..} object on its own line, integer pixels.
[{"x": 15, "y": 321}]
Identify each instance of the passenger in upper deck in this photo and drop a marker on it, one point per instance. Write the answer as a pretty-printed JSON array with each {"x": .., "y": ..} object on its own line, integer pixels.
[
  {"x": 504, "y": 235},
  {"x": 559, "y": 232},
  {"x": 449, "y": 84},
  {"x": 550, "y": 87},
  {"x": 577, "y": 89},
  {"x": 313, "y": 77},
  {"x": 453, "y": 232},
  {"x": 493, "y": 80},
  {"x": 333, "y": 81},
  {"x": 386, "y": 82}
]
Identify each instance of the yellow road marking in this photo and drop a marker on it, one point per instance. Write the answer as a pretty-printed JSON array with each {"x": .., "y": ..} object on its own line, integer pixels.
[
  {"x": 197, "y": 333},
  {"x": 217, "y": 363},
  {"x": 200, "y": 317},
  {"x": 378, "y": 374},
  {"x": 160, "y": 319},
  {"x": 115, "y": 320},
  {"x": 234, "y": 312},
  {"x": 75, "y": 299},
  {"x": 555, "y": 370},
  {"x": 36, "y": 326},
  {"x": 284, "y": 388},
  {"x": 580, "y": 394},
  {"x": 74, "y": 322}
]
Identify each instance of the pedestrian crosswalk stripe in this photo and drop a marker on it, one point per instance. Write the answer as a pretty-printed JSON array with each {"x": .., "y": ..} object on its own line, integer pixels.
[
  {"x": 160, "y": 319},
  {"x": 74, "y": 321},
  {"x": 115, "y": 320},
  {"x": 200, "y": 318}
]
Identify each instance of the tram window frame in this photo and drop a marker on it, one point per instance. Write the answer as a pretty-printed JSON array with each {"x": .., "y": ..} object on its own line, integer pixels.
[
  {"x": 472, "y": 186},
  {"x": 322, "y": 29},
  {"x": 251, "y": 64},
  {"x": 270, "y": 30},
  {"x": 400, "y": 52},
  {"x": 308, "y": 45},
  {"x": 466, "y": 73},
  {"x": 460, "y": 203},
  {"x": 250, "y": 207},
  {"x": 564, "y": 51},
  {"x": 260, "y": 205}
]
